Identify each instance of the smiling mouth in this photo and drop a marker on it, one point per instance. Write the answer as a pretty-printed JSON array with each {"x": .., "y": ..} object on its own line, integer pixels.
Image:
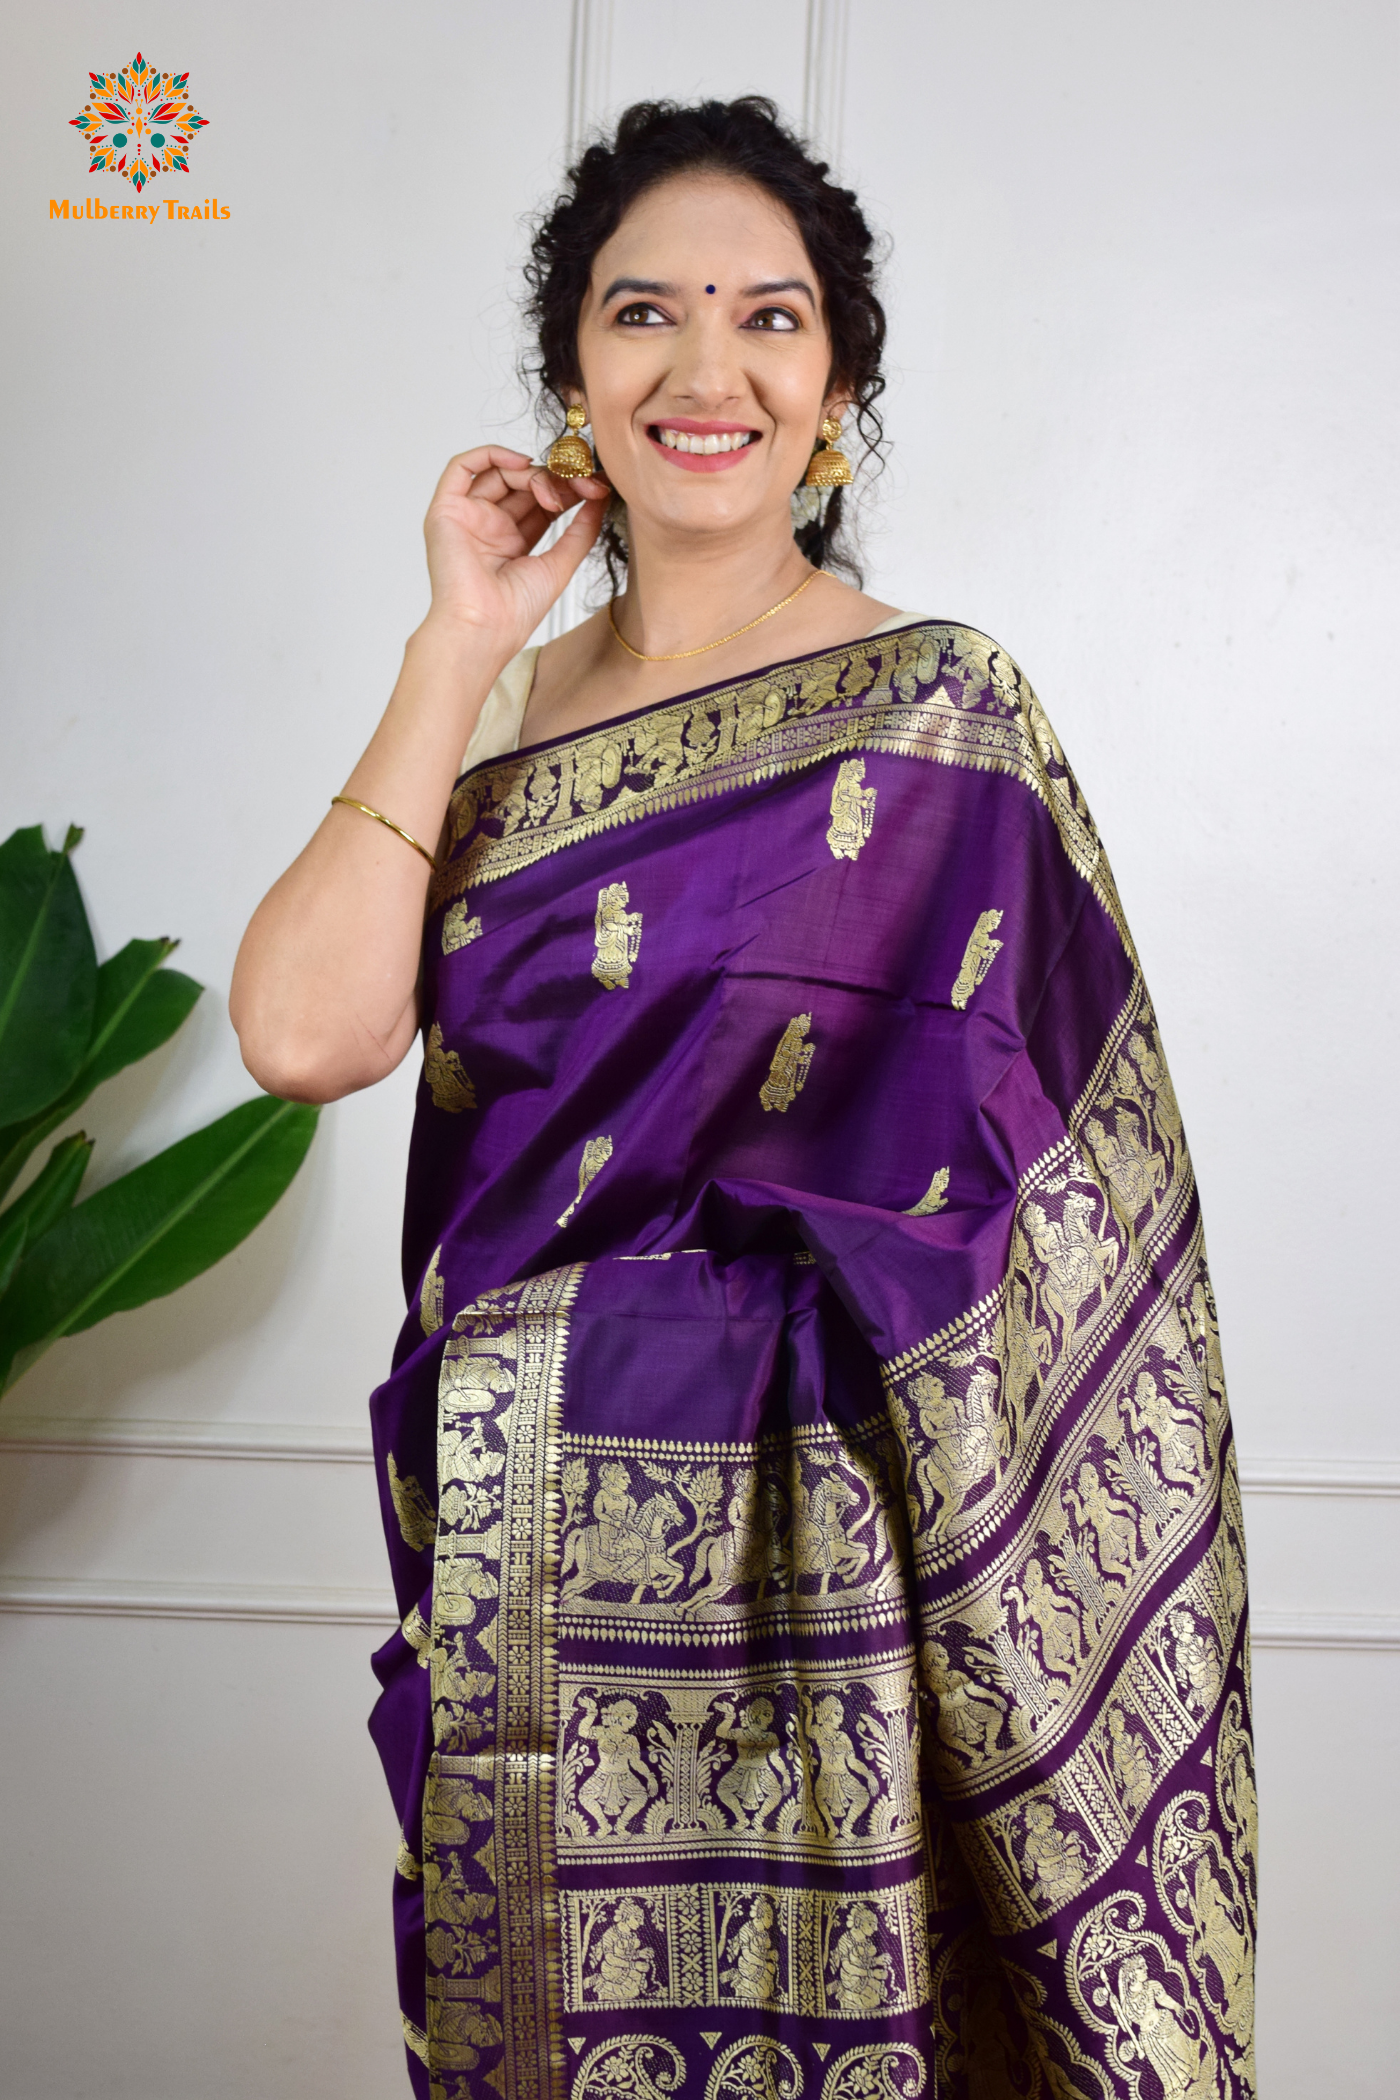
[{"x": 703, "y": 444}]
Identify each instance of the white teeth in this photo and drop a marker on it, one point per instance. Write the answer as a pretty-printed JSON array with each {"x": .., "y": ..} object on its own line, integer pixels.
[{"x": 717, "y": 441}]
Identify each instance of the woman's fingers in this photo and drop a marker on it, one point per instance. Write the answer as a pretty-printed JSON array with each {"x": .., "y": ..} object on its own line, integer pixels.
[
  {"x": 497, "y": 474},
  {"x": 464, "y": 468},
  {"x": 559, "y": 562}
]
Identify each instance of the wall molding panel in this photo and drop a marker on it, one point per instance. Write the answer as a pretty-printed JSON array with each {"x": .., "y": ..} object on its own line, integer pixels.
[
  {"x": 75, "y": 1597},
  {"x": 824, "y": 76},
  {"x": 1376, "y": 1632},
  {"x": 1367, "y": 1477},
  {"x": 287, "y": 1605},
  {"x": 590, "y": 69},
  {"x": 318, "y": 1443},
  {"x": 345, "y": 1444}
]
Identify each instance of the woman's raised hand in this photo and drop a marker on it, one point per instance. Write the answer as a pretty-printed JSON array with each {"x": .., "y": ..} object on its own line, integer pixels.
[
  {"x": 489, "y": 511},
  {"x": 324, "y": 994}
]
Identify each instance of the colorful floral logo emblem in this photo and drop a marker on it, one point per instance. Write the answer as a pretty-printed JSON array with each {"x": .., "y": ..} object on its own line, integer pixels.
[{"x": 138, "y": 122}]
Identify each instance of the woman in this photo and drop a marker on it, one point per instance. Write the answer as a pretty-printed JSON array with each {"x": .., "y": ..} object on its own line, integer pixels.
[{"x": 777, "y": 1005}]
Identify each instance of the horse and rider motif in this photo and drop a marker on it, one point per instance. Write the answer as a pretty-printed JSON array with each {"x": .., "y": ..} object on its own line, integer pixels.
[{"x": 698, "y": 1540}]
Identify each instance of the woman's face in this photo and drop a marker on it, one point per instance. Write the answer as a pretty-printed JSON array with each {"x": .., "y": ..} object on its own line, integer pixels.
[{"x": 703, "y": 328}]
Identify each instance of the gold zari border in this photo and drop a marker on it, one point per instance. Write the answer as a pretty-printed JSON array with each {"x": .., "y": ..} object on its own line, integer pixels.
[
  {"x": 937, "y": 692},
  {"x": 815, "y": 1953},
  {"x": 488, "y": 1802}
]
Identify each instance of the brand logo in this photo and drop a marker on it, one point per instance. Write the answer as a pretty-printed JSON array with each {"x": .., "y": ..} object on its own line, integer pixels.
[{"x": 138, "y": 123}]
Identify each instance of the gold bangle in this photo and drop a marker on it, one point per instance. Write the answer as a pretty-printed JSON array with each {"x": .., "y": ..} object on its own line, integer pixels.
[{"x": 406, "y": 836}]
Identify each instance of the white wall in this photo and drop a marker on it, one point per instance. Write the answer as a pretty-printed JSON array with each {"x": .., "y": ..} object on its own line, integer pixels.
[{"x": 1141, "y": 408}]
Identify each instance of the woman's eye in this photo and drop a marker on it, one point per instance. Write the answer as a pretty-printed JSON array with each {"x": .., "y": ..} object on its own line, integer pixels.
[
  {"x": 641, "y": 315},
  {"x": 775, "y": 318}
]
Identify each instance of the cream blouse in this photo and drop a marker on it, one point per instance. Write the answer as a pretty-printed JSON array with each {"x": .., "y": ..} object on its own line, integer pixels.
[{"x": 503, "y": 711}]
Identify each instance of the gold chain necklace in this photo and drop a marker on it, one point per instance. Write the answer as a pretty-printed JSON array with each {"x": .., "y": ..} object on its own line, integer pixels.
[{"x": 671, "y": 656}]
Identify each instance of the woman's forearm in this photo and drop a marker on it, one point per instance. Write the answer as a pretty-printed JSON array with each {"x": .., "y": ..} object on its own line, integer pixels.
[{"x": 324, "y": 989}]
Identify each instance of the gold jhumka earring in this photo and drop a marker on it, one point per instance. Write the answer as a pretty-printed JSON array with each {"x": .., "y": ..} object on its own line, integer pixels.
[
  {"x": 571, "y": 456},
  {"x": 828, "y": 468}
]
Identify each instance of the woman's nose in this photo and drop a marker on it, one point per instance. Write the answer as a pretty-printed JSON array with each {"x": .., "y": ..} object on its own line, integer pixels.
[{"x": 707, "y": 369}]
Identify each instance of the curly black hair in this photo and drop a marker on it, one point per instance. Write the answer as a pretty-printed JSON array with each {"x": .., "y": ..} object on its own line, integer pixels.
[{"x": 654, "y": 141}]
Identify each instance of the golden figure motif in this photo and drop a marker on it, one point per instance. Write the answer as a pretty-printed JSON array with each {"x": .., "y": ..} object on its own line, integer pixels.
[
  {"x": 822, "y": 1525},
  {"x": 792, "y": 1060},
  {"x": 454, "y": 1676},
  {"x": 474, "y": 1374},
  {"x": 970, "y": 1713},
  {"x": 844, "y": 1787},
  {"x": 1162, "y": 2030},
  {"x": 458, "y": 931},
  {"x": 1054, "y": 1860},
  {"x": 1201, "y": 1890},
  {"x": 1195, "y": 1662},
  {"x": 1175, "y": 1429},
  {"x": 1078, "y": 1261},
  {"x": 620, "y": 1785},
  {"x": 617, "y": 938},
  {"x": 416, "y": 1515},
  {"x": 978, "y": 956},
  {"x": 1056, "y": 1619},
  {"x": 430, "y": 1296},
  {"x": 852, "y": 810},
  {"x": 935, "y": 1197},
  {"x": 754, "y": 1970},
  {"x": 1111, "y": 1521},
  {"x": 447, "y": 1081},
  {"x": 1133, "y": 1172},
  {"x": 418, "y": 1634},
  {"x": 621, "y": 1966},
  {"x": 1219, "y": 1937},
  {"x": 1132, "y": 1766},
  {"x": 1234, "y": 1783},
  {"x": 1156, "y": 1080},
  {"x": 961, "y": 1430},
  {"x": 626, "y": 1544},
  {"x": 755, "y": 1783},
  {"x": 749, "y": 1548},
  {"x": 861, "y": 1971},
  {"x": 596, "y": 1154}
]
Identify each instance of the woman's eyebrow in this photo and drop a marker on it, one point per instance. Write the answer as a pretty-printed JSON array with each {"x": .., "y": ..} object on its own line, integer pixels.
[
  {"x": 779, "y": 284},
  {"x": 638, "y": 284}
]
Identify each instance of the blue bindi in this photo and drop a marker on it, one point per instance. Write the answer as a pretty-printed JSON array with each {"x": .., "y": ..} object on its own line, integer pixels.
[{"x": 709, "y": 288}]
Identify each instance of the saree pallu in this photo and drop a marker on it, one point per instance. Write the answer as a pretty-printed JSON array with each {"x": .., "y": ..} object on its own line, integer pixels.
[{"x": 823, "y": 1671}]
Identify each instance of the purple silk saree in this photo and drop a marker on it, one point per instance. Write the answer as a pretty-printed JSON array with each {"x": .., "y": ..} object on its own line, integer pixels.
[{"x": 806, "y": 1466}]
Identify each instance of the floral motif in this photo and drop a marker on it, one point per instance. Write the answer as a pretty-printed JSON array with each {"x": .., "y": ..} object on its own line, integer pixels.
[{"x": 138, "y": 122}]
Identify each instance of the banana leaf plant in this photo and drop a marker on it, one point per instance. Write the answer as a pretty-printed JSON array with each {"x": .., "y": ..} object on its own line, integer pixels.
[{"x": 67, "y": 1022}]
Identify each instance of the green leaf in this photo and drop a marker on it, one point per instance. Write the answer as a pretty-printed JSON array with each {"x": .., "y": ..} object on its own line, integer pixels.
[
  {"x": 48, "y": 973},
  {"x": 138, "y": 1007},
  {"x": 155, "y": 1228},
  {"x": 43, "y": 1203}
]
